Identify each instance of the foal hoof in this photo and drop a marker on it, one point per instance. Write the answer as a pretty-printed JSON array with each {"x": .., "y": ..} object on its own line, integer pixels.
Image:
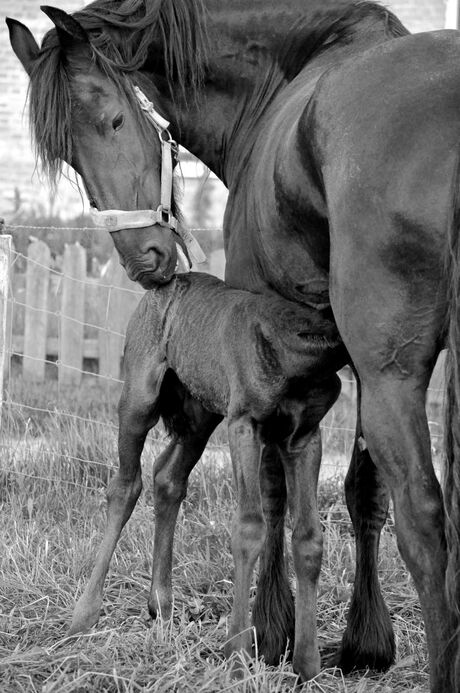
[
  {"x": 81, "y": 626},
  {"x": 84, "y": 617},
  {"x": 306, "y": 668},
  {"x": 160, "y": 610}
]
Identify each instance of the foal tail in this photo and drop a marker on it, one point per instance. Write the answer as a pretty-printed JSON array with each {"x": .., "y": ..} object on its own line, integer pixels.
[
  {"x": 452, "y": 426},
  {"x": 273, "y": 612}
]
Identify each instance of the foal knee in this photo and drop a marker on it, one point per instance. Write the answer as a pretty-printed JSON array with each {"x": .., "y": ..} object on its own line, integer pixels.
[
  {"x": 249, "y": 533},
  {"x": 167, "y": 490},
  {"x": 122, "y": 493},
  {"x": 307, "y": 551}
]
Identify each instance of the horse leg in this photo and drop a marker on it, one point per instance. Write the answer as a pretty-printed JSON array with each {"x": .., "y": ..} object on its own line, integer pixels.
[
  {"x": 301, "y": 458},
  {"x": 368, "y": 640},
  {"x": 248, "y": 529},
  {"x": 273, "y": 607},
  {"x": 170, "y": 475},
  {"x": 391, "y": 328},
  {"x": 398, "y": 437},
  {"x": 136, "y": 416}
]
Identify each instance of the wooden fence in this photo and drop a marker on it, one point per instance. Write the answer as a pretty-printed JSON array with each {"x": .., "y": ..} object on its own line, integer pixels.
[{"x": 66, "y": 316}]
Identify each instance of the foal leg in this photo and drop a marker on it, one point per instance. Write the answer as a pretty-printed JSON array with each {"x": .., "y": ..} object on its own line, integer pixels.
[
  {"x": 368, "y": 640},
  {"x": 248, "y": 529},
  {"x": 170, "y": 475},
  {"x": 301, "y": 456},
  {"x": 136, "y": 417}
]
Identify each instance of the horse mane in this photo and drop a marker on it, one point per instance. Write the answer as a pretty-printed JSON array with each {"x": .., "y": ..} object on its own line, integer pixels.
[
  {"x": 122, "y": 34},
  {"x": 308, "y": 38},
  {"x": 124, "y": 31},
  {"x": 169, "y": 37}
]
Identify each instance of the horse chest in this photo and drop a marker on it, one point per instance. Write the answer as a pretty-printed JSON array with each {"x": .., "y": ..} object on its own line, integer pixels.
[
  {"x": 277, "y": 247},
  {"x": 276, "y": 223}
]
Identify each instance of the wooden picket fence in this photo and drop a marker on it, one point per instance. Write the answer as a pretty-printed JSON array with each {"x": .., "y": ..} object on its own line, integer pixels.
[{"x": 66, "y": 316}]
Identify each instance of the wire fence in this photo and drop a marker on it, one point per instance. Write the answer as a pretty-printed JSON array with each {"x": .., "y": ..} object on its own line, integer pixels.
[{"x": 59, "y": 421}]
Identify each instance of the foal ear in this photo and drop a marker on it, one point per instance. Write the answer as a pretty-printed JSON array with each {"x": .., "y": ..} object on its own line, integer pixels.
[
  {"x": 23, "y": 43},
  {"x": 69, "y": 30}
]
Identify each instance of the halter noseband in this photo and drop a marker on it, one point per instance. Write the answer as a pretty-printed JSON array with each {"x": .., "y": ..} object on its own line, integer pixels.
[{"x": 115, "y": 219}]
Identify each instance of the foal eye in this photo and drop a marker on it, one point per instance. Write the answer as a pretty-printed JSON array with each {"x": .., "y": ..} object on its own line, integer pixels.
[{"x": 118, "y": 121}]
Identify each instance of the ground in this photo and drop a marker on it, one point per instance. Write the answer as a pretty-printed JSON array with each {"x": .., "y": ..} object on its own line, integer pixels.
[{"x": 55, "y": 464}]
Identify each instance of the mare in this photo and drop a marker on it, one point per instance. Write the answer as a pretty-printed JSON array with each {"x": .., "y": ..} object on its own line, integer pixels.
[
  {"x": 196, "y": 351},
  {"x": 338, "y": 138}
]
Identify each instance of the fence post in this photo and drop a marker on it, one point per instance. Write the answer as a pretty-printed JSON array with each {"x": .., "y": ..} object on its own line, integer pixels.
[
  {"x": 36, "y": 316},
  {"x": 117, "y": 304},
  {"x": 111, "y": 344},
  {"x": 72, "y": 315},
  {"x": 5, "y": 264}
]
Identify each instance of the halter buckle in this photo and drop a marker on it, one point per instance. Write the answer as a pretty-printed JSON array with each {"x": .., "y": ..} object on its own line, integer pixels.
[{"x": 166, "y": 217}]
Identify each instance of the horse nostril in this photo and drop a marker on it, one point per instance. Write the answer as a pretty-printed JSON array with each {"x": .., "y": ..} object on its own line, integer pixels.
[{"x": 156, "y": 256}]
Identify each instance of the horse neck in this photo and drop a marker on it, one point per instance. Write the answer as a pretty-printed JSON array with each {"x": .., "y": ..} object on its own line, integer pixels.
[{"x": 221, "y": 122}]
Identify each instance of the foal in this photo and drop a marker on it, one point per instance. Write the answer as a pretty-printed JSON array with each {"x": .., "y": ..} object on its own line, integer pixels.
[{"x": 196, "y": 351}]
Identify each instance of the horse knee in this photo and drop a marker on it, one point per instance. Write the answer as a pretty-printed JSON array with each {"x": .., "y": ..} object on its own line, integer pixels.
[{"x": 419, "y": 516}]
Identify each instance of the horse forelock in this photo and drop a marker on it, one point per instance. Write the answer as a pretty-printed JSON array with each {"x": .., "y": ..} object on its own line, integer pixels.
[
  {"x": 123, "y": 36},
  {"x": 135, "y": 33}
]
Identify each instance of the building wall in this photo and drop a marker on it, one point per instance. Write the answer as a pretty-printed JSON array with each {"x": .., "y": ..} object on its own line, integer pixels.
[
  {"x": 420, "y": 15},
  {"x": 16, "y": 158}
]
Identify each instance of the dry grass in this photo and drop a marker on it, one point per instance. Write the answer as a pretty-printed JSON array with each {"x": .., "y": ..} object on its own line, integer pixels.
[{"x": 52, "y": 513}]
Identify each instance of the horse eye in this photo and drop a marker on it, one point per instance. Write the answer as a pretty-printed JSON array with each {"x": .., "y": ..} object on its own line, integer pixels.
[{"x": 118, "y": 121}]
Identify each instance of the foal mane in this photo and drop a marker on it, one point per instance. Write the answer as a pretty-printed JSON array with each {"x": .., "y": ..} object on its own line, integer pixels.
[{"x": 124, "y": 34}]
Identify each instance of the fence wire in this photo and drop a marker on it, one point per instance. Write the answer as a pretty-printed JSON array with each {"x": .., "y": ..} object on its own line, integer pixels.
[{"x": 55, "y": 434}]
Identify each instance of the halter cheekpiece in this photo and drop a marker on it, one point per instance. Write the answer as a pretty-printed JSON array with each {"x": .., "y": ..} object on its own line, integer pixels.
[{"x": 115, "y": 219}]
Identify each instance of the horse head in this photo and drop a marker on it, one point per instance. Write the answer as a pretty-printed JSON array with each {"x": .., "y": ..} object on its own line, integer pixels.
[{"x": 85, "y": 113}]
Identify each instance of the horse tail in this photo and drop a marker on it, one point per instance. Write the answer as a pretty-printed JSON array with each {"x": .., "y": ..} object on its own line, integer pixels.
[
  {"x": 273, "y": 612},
  {"x": 451, "y": 481}
]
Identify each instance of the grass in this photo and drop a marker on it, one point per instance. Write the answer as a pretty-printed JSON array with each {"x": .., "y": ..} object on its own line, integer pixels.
[{"x": 55, "y": 463}]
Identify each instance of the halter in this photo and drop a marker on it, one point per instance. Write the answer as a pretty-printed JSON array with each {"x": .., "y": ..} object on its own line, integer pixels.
[{"x": 114, "y": 219}]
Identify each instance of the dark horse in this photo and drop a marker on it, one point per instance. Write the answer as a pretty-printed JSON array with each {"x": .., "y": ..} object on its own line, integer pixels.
[
  {"x": 339, "y": 142},
  {"x": 197, "y": 350}
]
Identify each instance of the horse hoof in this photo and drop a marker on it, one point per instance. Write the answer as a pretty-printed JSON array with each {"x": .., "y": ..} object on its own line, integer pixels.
[{"x": 349, "y": 659}]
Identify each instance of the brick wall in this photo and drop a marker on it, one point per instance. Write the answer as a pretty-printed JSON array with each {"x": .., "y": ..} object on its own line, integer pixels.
[{"x": 16, "y": 158}]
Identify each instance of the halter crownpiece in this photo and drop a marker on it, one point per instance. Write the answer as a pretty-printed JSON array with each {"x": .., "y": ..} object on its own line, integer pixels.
[{"x": 115, "y": 219}]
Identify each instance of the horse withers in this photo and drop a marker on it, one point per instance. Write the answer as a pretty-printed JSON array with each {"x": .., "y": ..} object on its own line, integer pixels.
[{"x": 197, "y": 351}]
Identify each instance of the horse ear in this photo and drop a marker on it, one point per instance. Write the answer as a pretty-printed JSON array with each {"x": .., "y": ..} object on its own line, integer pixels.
[
  {"x": 69, "y": 30},
  {"x": 23, "y": 43}
]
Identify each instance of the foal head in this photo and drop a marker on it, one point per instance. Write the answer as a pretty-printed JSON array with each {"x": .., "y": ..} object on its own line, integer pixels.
[{"x": 85, "y": 112}]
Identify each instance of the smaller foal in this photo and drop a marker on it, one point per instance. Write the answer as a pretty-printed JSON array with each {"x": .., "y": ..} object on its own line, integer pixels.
[{"x": 197, "y": 350}]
